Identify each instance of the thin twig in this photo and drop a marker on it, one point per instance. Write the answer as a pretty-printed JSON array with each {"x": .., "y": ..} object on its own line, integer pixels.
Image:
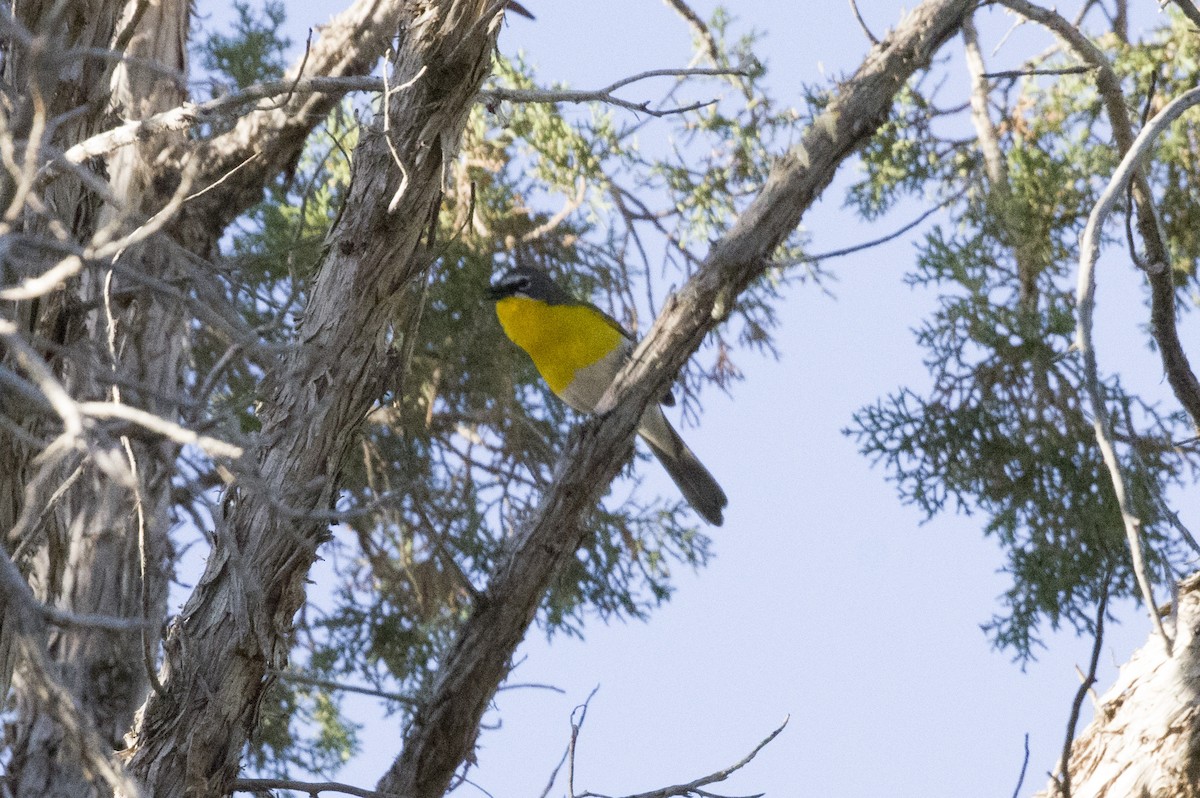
[
  {"x": 605, "y": 94},
  {"x": 531, "y": 686},
  {"x": 160, "y": 426},
  {"x": 43, "y": 376},
  {"x": 1010, "y": 74},
  {"x": 1024, "y": 767},
  {"x": 1080, "y": 694},
  {"x": 329, "y": 684},
  {"x": 862, "y": 23},
  {"x": 576, "y": 726},
  {"x": 694, "y": 786},
  {"x": 838, "y": 253}
]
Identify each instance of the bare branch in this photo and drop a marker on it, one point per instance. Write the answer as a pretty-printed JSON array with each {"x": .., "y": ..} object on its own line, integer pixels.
[
  {"x": 850, "y": 250},
  {"x": 290, "y": 675},
  {"x": 313, "y": 788},
  {"x": 605, "y": 95},
  {"x": 1024, "y": 767},
  {"x": 1085, "y": 299},
  {"x": 694, "y": 787},
  {"x": 161, "y": 426},
  {"x": 1011, "y": 74},
  {"x": 1084, "y": 686},
  {"x": 43, "y": 376},
  {"x": 862, "y": 23},
  {"x": 189, "y": 115},
  {"x": 1178, "y": 369}
]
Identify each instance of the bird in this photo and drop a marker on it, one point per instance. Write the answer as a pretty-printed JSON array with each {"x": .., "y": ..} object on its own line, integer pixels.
[{"x": 579, "y": 349}]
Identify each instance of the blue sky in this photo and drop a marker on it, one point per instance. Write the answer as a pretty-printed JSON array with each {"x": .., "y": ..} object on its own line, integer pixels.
[{"x": 828, "y": 600}]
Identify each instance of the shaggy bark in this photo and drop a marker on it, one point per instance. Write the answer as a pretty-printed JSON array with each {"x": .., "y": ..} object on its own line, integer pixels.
[
  {"x": 104, "y": 548},
  {"x": 443, "y": 732},
  {"x": 1143, "y": 740},
  {"x": 83, "y": 519},
  {"x": 235, "y": 625},
  {"x": 63, "y": 86}
]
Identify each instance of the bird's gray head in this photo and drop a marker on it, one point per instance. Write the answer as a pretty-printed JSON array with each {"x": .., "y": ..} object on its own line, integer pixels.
[{"x": 529, "y": 282}]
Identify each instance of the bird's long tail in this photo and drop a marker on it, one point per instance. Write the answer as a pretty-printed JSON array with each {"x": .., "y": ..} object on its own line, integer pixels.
[{"x": 698, "y": 486}]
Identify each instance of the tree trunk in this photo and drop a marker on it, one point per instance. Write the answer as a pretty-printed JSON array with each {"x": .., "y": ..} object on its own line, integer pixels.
[
  {"x": 1143, "y": 740},
  {"x": 235, "y": 627},
  {"x": 104, "y": 548}
]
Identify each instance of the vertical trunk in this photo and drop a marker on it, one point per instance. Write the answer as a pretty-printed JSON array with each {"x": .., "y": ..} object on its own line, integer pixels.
[
  {"x": 104, "y": 547},
  {"x": 63, "y": 86},
  {"x": 235, "y": 627}
]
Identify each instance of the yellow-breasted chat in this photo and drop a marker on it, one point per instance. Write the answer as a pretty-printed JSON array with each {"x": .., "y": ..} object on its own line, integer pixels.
[{"x": 578, "y": 349}]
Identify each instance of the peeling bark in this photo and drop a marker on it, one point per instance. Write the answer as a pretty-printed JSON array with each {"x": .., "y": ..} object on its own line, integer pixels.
[
  {"x": 235, "y": 627},
  {"x": 1143, "y": 741},
  {"x": 88, "y": 556}
]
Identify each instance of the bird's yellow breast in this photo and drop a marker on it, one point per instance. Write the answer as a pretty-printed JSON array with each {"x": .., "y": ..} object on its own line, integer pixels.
[{"x": 561, "y": 339}]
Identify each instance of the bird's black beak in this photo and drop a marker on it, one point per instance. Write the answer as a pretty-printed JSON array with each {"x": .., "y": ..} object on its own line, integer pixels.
[{"x": 496, "y": 291}]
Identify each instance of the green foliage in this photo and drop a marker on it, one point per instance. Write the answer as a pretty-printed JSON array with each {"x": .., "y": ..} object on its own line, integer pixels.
[
  {"x": 463, "y": 443},
  {"x": 1004, "y": 430},
  {"x": 301, "y": 728},
  {"x": 254, "y": 51}
]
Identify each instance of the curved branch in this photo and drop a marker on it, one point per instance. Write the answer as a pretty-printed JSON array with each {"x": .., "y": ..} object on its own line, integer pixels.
[
  {"x": 1085, "y": 298},
  {"x": 1178, "y": 369}
]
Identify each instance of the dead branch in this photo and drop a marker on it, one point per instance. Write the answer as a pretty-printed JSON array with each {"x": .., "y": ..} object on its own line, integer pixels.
[
  {"x": 1084, "y": 686},
  {"x": 190, "y": 115},
  {"x": 605, "y": 94},
  {"x": 313, "y": 788},
  {"x": 875, "y": 242},
  {"x": 160, "y": 426},
  {"x": 694, "y": 787},
  {"x": 1085, "y": 299},
  {"x": 1024, "y": 767},
  {"x": 862, "y": 23},
  {"x": 297, "y": 677}
]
